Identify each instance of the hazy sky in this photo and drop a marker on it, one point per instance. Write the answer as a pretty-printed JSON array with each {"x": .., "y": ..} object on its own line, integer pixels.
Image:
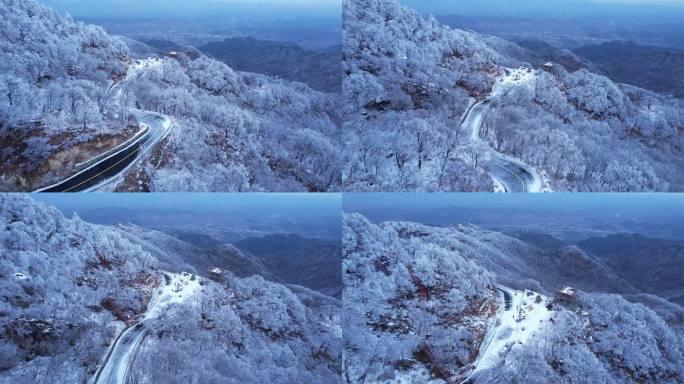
[
  {"x": 543, "y": 202},
  {"x": 551, "y": 8},
  {"x": 308, "y": 215},
  {"x": 653, "y": 214},
  {"x": 305, "y": 204},
  {"x": 190, "y": 8}
]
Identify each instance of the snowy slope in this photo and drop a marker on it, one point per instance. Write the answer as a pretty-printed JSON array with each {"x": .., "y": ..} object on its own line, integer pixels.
[
  {"x": 428, "y": 304},
  {"x": 87, "y": 301},
  {"x": 522, "y": 314},
  {"x": 175, "y": 290},
  {"x": 73, "y": 286},
  {"x": 227, "y": 130},
  {"x": 409, "y": 80},
  {"x": 54, "y": 77}
]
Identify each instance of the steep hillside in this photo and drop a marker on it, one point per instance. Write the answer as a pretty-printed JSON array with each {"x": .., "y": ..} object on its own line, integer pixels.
[
  {"x": 69, "y": 92},
  {"x": 70, "y": 292},
  {"x": 652, "y": 265},
  {"x": 409, "y": 83},
  {"x": 421, "y": 306},
  {"x": 54, "y": 79},
  {"x": 68, "y": 288},
  {"x": 234, "y": 131},
  {"x": 296, "y": 260},
  {"x": 598, "y": 339},
  {"x": 320, "y": 70},
  {"x": 413, "y": 309},
  {"x": 178, "y": 256},
  {"x": 243, "y": 331}
]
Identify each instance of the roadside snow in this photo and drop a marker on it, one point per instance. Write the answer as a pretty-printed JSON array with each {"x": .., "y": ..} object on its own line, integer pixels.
[
  {"x": 178, "y": 288},
  {"x": 142, "y": 65},
  {"x": 498, "y": 185},
  {"x": 524, "y": 316},
  {"x": 419, "y": 375},
  {"x": 545, "y": 182},
  {"x": 514, "y": 77}
]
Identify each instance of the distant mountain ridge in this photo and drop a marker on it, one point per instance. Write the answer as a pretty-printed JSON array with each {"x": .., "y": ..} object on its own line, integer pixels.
[
  {"x": 654, "y": 68},
  {"x": 176, "y": 255},
  {"x": 69, "y": 289},
  {"x": 401, "y": 276},
  {"x": 296, "y": 260},
  {"x": 281, "y": 258},
  {"x": 321, "y": 70},
  {"x": 545, "y": 52},
  {"x": 167, "y": 46},
  {"x": 654, "y": 266}
]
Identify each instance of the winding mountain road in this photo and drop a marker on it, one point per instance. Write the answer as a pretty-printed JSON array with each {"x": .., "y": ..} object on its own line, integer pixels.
[
  {"x": 512, "y": 174},
  {"x": 115, "y": 368},
  {"x": 110, "y": 169}
]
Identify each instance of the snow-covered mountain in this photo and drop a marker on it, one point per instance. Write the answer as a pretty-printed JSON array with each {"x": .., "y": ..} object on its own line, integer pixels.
[
  {"x": 410, "y": 84},
  {"x": 652, "y": 265},
  {"x": 175, "y": 255},
  {"x": 70, "y": 92},
  {"x": 309, "y": 262},
  {"x": 655, "y": 68},
  {"x": 447, "y": 305},
  {"x": 54, "y": 79},
  {"x": 79, "y": 301},
  {"x": 320, "y": 70}
]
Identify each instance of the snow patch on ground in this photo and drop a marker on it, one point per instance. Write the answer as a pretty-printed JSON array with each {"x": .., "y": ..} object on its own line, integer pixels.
[
  {"x": 514, "y": 77},
  {"x": 139, "y": 66},
  {"x": 175, "y": 290},
  {"x": 498, "y": 186},
  {"x": 418, "y": 375},
  {"x": 545, "y": 182},
  {"x": 521, "y": 316}
]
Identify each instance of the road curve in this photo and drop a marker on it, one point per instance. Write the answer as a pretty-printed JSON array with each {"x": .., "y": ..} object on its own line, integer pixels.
[
  {"x": 115, "y": 368},
  {"x": 105, "y": 173},
  {"x": 509, "y": 172}
]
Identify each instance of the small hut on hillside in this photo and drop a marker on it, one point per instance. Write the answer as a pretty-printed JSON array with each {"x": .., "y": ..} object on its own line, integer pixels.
[
  {"x": 217, "y": 274},
  {"x": 566, "y": 294}
]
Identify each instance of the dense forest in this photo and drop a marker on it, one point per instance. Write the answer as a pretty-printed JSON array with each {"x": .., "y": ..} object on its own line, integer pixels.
[
  {"x": 232, "y": 131},
  {"x": 409, "y": 81},
  {"x": 68, "y": 288},
  {"x": 420, "y": 302}
]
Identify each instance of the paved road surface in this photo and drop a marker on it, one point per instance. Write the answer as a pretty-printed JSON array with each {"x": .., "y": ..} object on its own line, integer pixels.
[
  {"x": 116, "y": 367},
  {"x": 511, "y": 173},
  {"x": 104, "y": 174}
]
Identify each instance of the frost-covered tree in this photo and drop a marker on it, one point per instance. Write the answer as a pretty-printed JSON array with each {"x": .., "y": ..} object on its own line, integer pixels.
[
  {"x": 419, "y": 301},
  {"x": 405, "y": 72},
  {"x": 234, "y": 131},
  {"x": 54, "y": 79},
  {"x": 69, "y": 288},
  {"x": 409, "y": 303}
]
